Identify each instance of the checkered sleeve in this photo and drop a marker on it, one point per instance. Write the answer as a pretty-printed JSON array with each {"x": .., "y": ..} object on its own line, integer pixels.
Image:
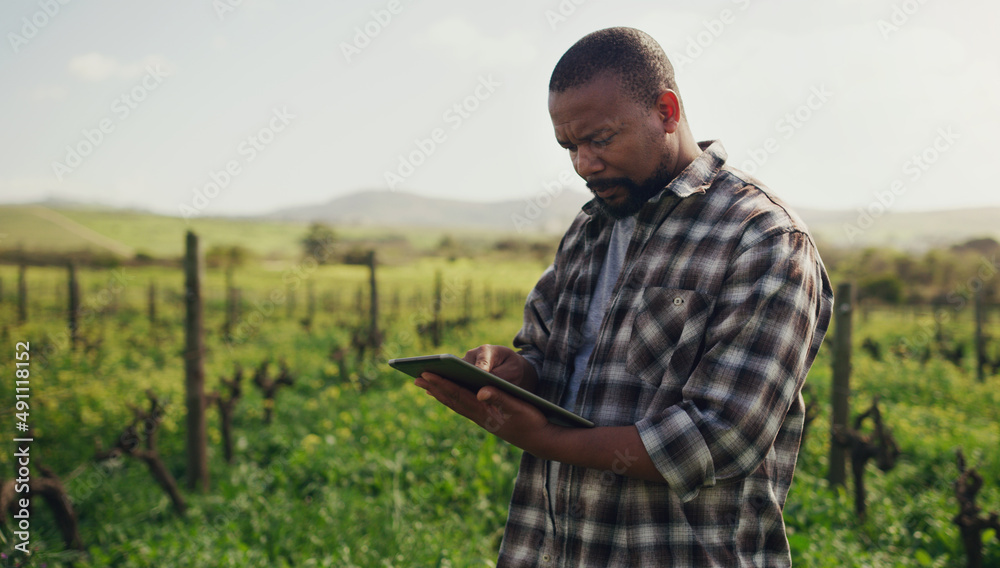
[
  {"x": 532, "y": 340},
  {"x": 759, "y": 344}
]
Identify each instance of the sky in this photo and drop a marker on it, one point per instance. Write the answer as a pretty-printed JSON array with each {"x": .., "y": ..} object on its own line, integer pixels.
[{"x": 240, "y": 107}]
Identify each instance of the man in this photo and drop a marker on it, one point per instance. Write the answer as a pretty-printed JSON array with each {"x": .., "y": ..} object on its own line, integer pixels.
[{"x": 683, "y": 309}]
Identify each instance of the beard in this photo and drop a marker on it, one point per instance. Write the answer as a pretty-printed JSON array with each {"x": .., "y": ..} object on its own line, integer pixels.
[{"x": 636, "y": 194}]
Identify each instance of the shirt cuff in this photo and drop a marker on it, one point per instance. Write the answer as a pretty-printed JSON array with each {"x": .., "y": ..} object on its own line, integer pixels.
[{"x": 678, "y": 451}]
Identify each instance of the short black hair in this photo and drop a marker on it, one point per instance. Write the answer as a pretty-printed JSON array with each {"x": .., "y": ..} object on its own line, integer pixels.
[{"x": 633, "y": 55}]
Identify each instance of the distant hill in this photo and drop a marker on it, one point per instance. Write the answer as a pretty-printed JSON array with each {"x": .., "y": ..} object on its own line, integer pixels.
[
  {"x": 542, "y": 213},
  {"x": 904, "y": 230},
  {"x": 423, "y": 221}
]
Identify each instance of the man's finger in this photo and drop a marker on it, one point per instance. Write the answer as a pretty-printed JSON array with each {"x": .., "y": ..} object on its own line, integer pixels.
[
  {"x": 496, "y": 415},
  {"x": 484, "y": 359},
  {"x": 423, "y": 381}
]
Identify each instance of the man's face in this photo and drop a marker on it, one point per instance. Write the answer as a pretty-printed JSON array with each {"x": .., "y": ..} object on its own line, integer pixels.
[{"x": 619, "y": 146}]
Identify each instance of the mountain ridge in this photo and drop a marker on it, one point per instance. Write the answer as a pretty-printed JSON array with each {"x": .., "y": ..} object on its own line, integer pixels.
[{"x": 551, "y": 213}]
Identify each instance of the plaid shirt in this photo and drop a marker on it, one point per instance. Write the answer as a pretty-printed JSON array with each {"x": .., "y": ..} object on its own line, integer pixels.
[{"x": 716, "y": 317}]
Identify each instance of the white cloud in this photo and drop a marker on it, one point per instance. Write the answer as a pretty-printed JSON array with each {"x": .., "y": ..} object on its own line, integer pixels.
[
  {"x": 93, "y": 67},
  {"x": 467, "y": 43},
  {"x": 96, "y": 67}
]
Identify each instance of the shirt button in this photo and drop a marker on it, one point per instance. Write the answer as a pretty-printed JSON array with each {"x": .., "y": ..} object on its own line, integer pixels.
[
  {"x": 678, "y": 301},
  {"x": 546, "y": 558}
]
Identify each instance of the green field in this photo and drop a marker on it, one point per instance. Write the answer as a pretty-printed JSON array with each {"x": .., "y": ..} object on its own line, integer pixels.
[
  {"x": 360, "y": 468},
  {"x": 115, "y": 232}
]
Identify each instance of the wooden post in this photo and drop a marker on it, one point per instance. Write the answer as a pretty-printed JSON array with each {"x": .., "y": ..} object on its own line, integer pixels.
[
  {"x": 114, "y": 304},
  {"x": 74, "y": 306},
  {"x": 289, "y": 302},
  {"x": 232, "y": 310},
  {"x": 436, "y": 329},
  {"x": 310, "y": 300},
  {"x": 980, "y": 339},
  {"x": 22, "y": 293},
  {"x": 467, "y": 302},
  {"x": 373, "y": 308},
  {"x": 488, "y": 302},
  {"x": 194, "y": 368},
  {"x": 841, "y": 380},
  {"x": 359, "y": 302},
  {"x": 938, "y": 326},
  {"x": 151, "y": 303}
]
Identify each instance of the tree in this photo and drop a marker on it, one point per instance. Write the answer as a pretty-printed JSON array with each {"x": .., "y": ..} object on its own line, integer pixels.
[
  {"x": 229, "y": 257},
  {"x": 885, "y": 287},
  {"x": 318, "y": 242}
]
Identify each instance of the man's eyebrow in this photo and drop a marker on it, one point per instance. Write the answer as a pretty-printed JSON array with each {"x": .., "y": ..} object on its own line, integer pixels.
[{"x": 589, "y": 136}]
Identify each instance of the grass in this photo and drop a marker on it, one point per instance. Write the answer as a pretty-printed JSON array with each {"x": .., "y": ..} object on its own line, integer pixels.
[
  {"x": 363, "y": 469},
  {"x": 162, "y": 236}
]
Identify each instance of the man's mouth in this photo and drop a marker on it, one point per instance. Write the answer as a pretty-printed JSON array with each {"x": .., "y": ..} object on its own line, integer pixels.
[
  {"x": 606, "y": 192},
  {"x": 608, "y": 189}
]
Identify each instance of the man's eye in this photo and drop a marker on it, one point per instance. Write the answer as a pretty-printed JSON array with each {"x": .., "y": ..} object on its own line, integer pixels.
[{"x": 602, "y": 142}]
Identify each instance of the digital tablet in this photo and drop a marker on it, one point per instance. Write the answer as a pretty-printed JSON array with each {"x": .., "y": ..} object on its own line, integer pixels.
[{"x": 473, "y": 378}]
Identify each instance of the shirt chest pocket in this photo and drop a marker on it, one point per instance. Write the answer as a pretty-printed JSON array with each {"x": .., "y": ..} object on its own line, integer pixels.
[{"x": 667, "y": 335}]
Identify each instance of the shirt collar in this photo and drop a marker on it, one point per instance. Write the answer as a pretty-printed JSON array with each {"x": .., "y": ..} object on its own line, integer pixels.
[{"x": 700, "y": 173}]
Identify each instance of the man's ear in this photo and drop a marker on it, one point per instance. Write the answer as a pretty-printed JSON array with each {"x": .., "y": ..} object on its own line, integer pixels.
[{"x": 669, "y": 107}]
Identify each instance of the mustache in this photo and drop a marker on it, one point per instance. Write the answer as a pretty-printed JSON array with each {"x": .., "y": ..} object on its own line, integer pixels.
[{"x": 606, "y": 183}]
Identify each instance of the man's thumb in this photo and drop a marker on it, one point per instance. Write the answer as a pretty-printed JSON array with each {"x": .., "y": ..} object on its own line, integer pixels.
[{"x": 490, "y": 395}]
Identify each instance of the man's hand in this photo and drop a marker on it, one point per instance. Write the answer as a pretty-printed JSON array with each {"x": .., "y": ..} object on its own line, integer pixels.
[
  {"x": 495, "y": 411},
  {"x": 504, "y": 363},
  {"x": 615, "y": 448}
]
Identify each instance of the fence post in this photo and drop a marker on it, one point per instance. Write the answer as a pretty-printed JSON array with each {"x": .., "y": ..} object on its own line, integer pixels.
[
  {"x": 74, "y": 306},
  {"x": 467, "y": 302},
  {"x": 436, "y": 330},
  {"x": 230, "y": 302},
  {"x": 980, "y": 339},
  {"x": 310, "y": 300},
  {"x": 373, "y": 308},
  {"x": 151, "y": 303},
  {"x": 841, "y": 380},
  {"x": 194, "y": 368},
  {"x": 22, "y": 293}
]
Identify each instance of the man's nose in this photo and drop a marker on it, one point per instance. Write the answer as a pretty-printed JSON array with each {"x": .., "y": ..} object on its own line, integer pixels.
[{"x": 586, "y": 162}]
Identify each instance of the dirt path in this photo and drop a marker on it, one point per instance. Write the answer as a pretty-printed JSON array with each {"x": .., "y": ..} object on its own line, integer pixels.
[{"x": 83, "y": 232}]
